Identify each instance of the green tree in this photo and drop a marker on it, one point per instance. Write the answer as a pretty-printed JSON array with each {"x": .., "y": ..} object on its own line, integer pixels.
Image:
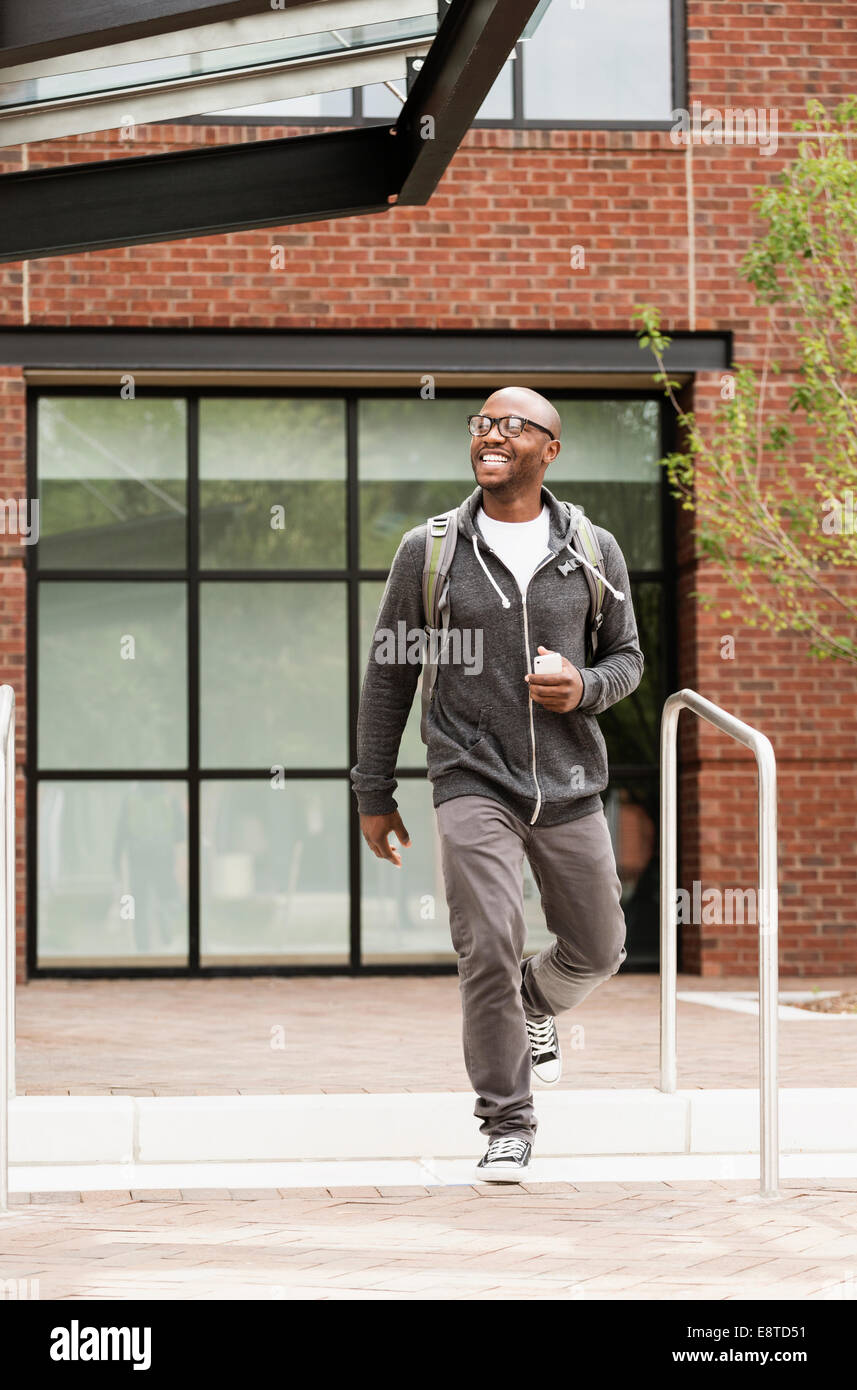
[{"x": 774, "y": 482}]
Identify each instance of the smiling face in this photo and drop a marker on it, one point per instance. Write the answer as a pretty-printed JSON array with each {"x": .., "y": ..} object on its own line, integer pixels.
[{"x": 508, "y": 467}]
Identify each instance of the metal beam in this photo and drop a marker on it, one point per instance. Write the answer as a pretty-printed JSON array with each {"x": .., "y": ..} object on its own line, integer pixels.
[
  {"x": 127, "y": 202},
  {"x": 473, "y": 42},
  {"x": 203, "y": 93},
  {"x": 315, "y": 17},
  {"x": 34, "y": 29},
  {"x": 489, "y": 352}
]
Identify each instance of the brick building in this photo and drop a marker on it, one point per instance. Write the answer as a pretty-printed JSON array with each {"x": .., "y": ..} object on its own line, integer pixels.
[{"x": 160, "y": 400}]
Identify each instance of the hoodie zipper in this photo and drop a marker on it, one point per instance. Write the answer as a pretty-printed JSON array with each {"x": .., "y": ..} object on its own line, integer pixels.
[
  {"x": 506, "y": 604},
  {"x": 530, "y": 670}
]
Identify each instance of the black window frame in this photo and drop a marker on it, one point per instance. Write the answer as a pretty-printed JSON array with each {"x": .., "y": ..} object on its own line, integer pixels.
[{"x": 353, "y": 576}]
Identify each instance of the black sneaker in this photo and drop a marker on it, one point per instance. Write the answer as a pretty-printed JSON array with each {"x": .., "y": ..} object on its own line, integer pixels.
[
  {"x": 507, "y": 1159},
  {"x": 544, "y": 1046}
]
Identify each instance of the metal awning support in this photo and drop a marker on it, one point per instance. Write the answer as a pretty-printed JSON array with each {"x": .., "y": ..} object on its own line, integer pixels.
[
  {"x": 276, "y": 55},
  {"x": 200, "y": 93},
  {"x": 128, "y": 202},
  {"x": 472, "y": 44},
  {"x": 228, "y": 188}
]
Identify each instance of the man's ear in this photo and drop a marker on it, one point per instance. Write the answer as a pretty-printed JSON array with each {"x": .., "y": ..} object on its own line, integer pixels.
[{"x": 552, "y": 448}]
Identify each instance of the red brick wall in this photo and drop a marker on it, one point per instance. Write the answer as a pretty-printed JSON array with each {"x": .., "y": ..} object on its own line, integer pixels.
[
  {"x": 492, "y": 250},
  {"x": 13, "y": 615}
]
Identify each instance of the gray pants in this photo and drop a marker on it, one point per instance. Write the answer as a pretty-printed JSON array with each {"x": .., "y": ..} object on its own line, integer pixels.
[{"x": 482, "y": 849}]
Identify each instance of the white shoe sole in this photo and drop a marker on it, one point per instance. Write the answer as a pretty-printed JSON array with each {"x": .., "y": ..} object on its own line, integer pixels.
[
  {"x": 549, "y": 1080},
  {"x": 500, "y": 1173}
]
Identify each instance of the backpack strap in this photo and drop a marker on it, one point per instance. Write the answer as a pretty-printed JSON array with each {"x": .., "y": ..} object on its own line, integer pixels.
[
  {"x": 441, "y": 537},
  {"x": 585, "y": 542}
]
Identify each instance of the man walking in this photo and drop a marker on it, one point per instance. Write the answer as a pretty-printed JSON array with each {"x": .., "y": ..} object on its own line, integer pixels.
[{"x": 515, "y": 757}]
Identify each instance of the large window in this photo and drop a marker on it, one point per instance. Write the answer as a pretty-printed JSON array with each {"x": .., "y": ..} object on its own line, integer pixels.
[
  {"x": 585, "y": 63},
  {"x": 209, "y": 572}
]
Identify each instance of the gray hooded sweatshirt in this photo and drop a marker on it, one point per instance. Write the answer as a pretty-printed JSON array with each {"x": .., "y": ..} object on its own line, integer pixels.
[{"x": 484, "y": 735}]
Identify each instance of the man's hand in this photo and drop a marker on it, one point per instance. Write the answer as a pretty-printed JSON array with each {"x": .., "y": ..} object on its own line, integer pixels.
[
  {"x": 562, "y": 692},
  {"x": 375, "y": 830}
]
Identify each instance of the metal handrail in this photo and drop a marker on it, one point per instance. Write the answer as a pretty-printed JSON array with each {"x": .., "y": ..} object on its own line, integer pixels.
[
  {"x": 7, "y": 929},
  {"x": 769, "y": 1153}
]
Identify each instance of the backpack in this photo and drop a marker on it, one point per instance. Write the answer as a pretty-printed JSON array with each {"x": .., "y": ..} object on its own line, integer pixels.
[{"x": 441, "y": 537}]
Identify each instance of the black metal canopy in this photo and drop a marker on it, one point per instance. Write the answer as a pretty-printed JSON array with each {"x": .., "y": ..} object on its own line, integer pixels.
[
  {"x": 35, "y": 29},
  {"x": 130, "y": 201}
]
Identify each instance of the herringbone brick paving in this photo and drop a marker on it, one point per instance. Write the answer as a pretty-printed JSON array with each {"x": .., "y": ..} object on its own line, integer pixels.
[
  {"x": 292, "y": 1035},
  {"x": 614, "y": 1241},
  {"x": 617, "y": 1241}
]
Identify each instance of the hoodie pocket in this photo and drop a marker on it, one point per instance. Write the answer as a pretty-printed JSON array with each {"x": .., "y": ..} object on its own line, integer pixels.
[
  {"x": 567, "y": 746},
  {"x": 451, "y": 740},
  {"x": 481, "y": 728},
  {"x": 460, "y": 728}
]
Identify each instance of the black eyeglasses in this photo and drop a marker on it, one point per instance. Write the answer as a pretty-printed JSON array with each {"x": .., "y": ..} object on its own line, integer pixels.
[{"x": 510, "y": 426}]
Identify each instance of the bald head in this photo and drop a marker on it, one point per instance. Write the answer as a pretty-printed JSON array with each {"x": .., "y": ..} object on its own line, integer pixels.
[{"x": 521, "y": 400}]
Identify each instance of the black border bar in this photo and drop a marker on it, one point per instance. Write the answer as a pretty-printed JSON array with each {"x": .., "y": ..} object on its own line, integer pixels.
[{"x": 487, "y": 352}]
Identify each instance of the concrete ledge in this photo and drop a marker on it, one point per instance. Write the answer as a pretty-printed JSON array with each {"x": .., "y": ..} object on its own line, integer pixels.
[
  {"x": 72, "y": 1129},
  {"x": 820, "y": 1120},
  {"x": 816, "y": 1119},
  {"x": 146, "y": 1130},
  {"x": 202, "y": 1181}
]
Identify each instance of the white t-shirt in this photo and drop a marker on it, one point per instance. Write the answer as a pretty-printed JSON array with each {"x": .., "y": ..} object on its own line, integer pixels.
[{"x": 521, "y": 545}]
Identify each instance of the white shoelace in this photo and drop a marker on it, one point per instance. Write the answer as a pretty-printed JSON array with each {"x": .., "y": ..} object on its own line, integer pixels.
[
  {"x": 506, "y": 1148},
  {"x": 542, "y": 1035}
]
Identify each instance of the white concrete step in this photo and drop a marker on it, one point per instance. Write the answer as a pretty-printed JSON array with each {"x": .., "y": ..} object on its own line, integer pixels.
[
  {"x": 424, "y": 1172},
  {"x": 247, "y": 1130}
]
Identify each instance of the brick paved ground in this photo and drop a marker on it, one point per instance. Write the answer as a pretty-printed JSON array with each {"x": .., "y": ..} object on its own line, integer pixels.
[
  {"x": 587, "y": 1241},
  {"x": 183, "y": 1037},
  {"x": 614, "y": 1241}
]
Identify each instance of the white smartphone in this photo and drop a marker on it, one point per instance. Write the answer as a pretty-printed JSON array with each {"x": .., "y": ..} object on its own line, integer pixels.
[{"x": 548, "y": 665}]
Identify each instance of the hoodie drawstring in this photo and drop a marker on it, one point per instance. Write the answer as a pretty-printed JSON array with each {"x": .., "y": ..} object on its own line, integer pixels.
[
  {"x": 598, "y": 575},
  {"x": 617, "y": 593},
  {"x": 506, "y": 603}
]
